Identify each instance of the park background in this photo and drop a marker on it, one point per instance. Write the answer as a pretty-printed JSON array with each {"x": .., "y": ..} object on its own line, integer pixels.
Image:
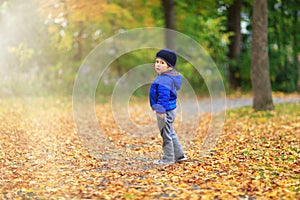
[
  {"x": 42, "y": 155},
  {"x": 43, "y": 43}
]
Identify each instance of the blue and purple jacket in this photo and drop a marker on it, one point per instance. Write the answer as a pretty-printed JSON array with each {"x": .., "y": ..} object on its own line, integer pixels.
[{"x": 163, "y": 91}]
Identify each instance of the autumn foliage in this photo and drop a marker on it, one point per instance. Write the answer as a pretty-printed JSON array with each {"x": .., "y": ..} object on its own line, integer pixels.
[{"x": 42, "y": 156}]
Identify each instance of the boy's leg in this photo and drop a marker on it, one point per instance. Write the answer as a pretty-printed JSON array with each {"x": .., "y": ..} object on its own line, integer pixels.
[
  {"x": 176, "y": 144},
  {"x": 164, "y": 125},
  {"x": 177, "y": 148}
]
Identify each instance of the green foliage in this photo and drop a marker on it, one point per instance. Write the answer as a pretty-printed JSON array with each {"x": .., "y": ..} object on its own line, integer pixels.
[
  {"x": 283, "y": 37},
  {"x": 45, "y": 42},
  {"x": 24, "y": 49},
  {"x": 245, "y": 71},
  {"x": 206, "y": 26},
  {"x": 22, "y": 53},
  {"x": 284, "y": 72}
]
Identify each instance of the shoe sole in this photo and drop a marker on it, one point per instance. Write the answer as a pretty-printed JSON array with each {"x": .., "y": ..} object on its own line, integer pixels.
[
  {"x": 181, "y": 160},
  {"x": 162, "y": 163}
]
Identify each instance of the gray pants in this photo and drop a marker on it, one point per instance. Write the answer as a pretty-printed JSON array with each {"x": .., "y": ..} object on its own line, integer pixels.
[{"x": 171, "y": 147}]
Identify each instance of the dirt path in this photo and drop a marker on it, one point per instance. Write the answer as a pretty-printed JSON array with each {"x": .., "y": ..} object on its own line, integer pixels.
[{"x": 204, "y": 105}]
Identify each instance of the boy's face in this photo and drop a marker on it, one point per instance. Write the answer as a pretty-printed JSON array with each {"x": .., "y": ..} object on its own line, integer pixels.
[{"x": 161, "y": 66}]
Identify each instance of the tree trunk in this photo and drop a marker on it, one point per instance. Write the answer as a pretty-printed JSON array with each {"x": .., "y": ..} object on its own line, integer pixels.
[
  {"x": 169, "y": 15},
  {"x": 260, "y": 75},
  {"x": 234, "y": 26},
  {"x": 296, "y": 47}
]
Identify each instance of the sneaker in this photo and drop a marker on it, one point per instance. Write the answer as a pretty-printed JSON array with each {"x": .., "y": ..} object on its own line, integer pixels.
[
  {"x": 182, "y": 158},
  {"x": 163, "y": 162}
]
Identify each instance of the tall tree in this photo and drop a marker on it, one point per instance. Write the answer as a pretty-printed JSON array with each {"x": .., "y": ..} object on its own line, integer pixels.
[
  {"x": 234, "y": 26},
  {"x": 296, "y": 38},
  {"x": 260, "y": 75},
  {"x": 169, "y": 16}
]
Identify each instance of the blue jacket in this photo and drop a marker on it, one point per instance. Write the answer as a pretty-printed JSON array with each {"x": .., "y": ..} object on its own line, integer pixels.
[{"x": 163, "y": 93}]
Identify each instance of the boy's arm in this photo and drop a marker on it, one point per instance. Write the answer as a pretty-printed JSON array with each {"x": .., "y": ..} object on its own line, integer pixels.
[
  {"x": 160, "y": 95},
  {"x": 163, "y": 99},
  {"x": 152, "y": 95}
]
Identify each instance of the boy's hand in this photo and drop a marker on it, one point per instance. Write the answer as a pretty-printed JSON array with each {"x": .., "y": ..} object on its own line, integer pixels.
[{"x": 161, "y": 115}]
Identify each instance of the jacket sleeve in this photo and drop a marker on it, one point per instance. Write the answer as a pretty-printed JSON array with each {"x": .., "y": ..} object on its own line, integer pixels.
[
  {"x": 162, "y": 99},
  {"x": 152, "y": 94},
  {"x": 158, "y": 98},
  {"x": 164, "y": 91}
]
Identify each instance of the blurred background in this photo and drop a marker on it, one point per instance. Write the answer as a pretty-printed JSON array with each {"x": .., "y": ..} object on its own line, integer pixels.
[{"x": 44, "y": 42}]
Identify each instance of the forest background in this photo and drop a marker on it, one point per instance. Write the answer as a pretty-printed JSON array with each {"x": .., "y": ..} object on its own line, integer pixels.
[{"x": 43, "y": 43}]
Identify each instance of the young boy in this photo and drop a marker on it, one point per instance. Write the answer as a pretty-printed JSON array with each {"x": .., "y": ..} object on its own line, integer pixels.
[{"x": 163, "y": 97}]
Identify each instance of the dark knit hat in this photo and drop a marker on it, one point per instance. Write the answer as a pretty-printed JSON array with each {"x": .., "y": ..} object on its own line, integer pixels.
[{"x": 167, "y": 55}]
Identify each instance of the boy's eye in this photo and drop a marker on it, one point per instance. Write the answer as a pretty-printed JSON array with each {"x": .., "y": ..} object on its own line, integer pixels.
[{"x": 159, "y": 62}]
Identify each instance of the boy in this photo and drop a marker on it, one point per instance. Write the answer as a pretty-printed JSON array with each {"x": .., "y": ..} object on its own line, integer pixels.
[{"x": 163, "y": 97}]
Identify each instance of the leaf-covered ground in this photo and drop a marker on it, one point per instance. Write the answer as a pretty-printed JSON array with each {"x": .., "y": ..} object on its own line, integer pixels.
[{"x": 42, "y": 156}]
